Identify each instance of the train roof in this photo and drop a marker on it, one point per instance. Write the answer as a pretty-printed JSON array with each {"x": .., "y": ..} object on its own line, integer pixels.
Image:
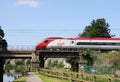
[
  {"x": 54, "y": 38},
  {"x": 96, "y": 38},
  {"x": 84, "y": 38}
]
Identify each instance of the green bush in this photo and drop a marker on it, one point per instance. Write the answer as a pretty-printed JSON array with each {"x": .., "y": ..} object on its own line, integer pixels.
[
  {"x": 55, "y": 64},
  {"x": 8, "y": 67},
  {"x": 20, "y": 69}
]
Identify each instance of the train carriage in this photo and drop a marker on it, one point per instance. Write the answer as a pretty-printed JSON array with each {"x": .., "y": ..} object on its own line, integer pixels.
[{"x": 78, "y": 43}]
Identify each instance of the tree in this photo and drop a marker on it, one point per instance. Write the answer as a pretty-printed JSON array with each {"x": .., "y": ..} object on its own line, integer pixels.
[
  {"x": 98, "y": 28},
  {"x": 3, "y": 46},
  {"x": 74, "y": 63},
  {"x": 3, "y": 43},
  {"x": 1, "y": 33},
  {"x": 89, "y": 56}
]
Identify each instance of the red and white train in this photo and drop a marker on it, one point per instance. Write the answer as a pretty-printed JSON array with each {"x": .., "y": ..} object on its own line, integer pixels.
[{"x": 79, "y": 43}]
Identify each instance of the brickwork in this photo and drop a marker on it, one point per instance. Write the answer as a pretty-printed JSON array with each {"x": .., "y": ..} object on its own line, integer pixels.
[{"x": 35, "y": 63}]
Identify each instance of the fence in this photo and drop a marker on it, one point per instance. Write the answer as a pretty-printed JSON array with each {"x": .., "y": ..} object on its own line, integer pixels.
[
  {"x": 21, "y": 47},
  {"x": 99, "y": 70},
  {"x": 78, "y": 77}
]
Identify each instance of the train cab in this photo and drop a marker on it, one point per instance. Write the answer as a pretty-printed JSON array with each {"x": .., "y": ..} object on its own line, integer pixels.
[{"x": 44, "y": 44}]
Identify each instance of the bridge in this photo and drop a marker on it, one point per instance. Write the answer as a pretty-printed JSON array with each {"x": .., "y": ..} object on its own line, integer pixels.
[
  {"x": 38, "y": 57},
  {"x": 17, "y": 51},
  {"x": 26, "y": 51},
  {"x": 16, "y": 54},
  {"x": 58, "y": 53}
]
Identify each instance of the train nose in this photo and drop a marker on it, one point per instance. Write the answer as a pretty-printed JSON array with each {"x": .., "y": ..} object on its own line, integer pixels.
[
  {"x": 37, "y": 47},
  {"x": 40, "y": 46}
]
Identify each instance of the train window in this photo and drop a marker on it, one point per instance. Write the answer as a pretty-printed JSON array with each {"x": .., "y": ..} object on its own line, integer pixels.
[
  {"x": 113, "y": 44},
  {"x": 91, "y": 43},
  {"x": 117, "y": 44},
  {"x": 96, "y": 43},
  {"x": 45, "y": 41},
  {"x": 84, "y": 43},
  {"x": 99, "y": 43},
  {"x": 72, "y": 42}
]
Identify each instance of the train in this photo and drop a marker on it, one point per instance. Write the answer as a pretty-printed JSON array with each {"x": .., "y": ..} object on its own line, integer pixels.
[{"x": 78, "y": 43}]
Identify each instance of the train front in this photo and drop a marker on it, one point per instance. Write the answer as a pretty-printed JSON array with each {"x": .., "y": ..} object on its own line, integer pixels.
[{"x": 43, "y": 44}]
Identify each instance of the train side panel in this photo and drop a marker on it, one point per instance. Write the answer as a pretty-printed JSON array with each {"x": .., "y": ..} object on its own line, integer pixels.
[{"x": 59, "y": 43}]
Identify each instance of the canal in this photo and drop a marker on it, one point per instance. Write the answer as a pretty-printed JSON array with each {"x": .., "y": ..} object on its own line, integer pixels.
[
  {"x": 15, "y": 68},
  {"x": 8, "y": 78}
]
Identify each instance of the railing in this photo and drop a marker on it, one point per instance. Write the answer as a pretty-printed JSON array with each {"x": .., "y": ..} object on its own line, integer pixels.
[{"x": 21, "y": 47}]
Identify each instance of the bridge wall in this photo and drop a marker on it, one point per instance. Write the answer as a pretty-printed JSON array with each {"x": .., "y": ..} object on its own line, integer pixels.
[{"x": 35, "y": 63}]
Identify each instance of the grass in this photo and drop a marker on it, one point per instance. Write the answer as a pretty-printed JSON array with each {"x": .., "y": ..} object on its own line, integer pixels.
[
  {"x": 50, "y": 79},
  {"x": 87, "y": 77},
  {"x": 21, "y": 79}
]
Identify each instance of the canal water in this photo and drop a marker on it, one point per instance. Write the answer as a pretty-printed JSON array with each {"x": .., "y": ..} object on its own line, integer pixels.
[
  {"x": 8, "y": 78},
  {"x": 13, "y": 71}
]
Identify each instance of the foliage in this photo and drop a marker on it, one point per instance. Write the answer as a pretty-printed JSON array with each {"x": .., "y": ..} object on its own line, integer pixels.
[
  {"x": 20, "y": 69},
  {"x": 19, "y": 66},
  {"x": 109, "y": 59},
  {"x": 117, "y": 64},
  {"x": 99, "y": 69},
  {"x": 21, "y": 79},
  {"x": 50, "y": 79},
  {"x": 60, "y": 65},
  {"x": 19, "y": 62},
  {"x": 1, "y": 33},
  {"x": 73, "y": 62},
  {"x": 55, "y": 64},
  {"x": 50, "y": 64},
  {"x": 9, "y": 67},
  {"x": 98, "y": 28},
  {"x": 28, "y": 62},
  {"x": 89, "y": 56},
  {"x": 79, "y": 77},
  {"x": 3, "y": 42}
]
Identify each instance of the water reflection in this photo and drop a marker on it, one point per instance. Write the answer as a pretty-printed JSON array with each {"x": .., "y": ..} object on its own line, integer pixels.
[
  {"x": 7, "y": 78},
  {"x": 15, "y": 68},
  {"x": 10, "y": 76}
]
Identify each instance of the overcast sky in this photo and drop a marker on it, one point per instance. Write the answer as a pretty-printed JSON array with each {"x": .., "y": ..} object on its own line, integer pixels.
[{"x": 26, "y": 22}]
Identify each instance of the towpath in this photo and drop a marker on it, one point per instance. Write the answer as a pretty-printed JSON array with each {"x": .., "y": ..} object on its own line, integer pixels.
[{"x": 33, "y": 78}]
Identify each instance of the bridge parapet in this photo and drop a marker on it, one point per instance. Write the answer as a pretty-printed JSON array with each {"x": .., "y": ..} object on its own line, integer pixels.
[{"x": 21, "y": 47}]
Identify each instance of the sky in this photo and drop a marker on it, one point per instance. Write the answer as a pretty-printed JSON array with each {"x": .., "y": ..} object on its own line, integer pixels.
[{"x": 27, "y": 22}]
